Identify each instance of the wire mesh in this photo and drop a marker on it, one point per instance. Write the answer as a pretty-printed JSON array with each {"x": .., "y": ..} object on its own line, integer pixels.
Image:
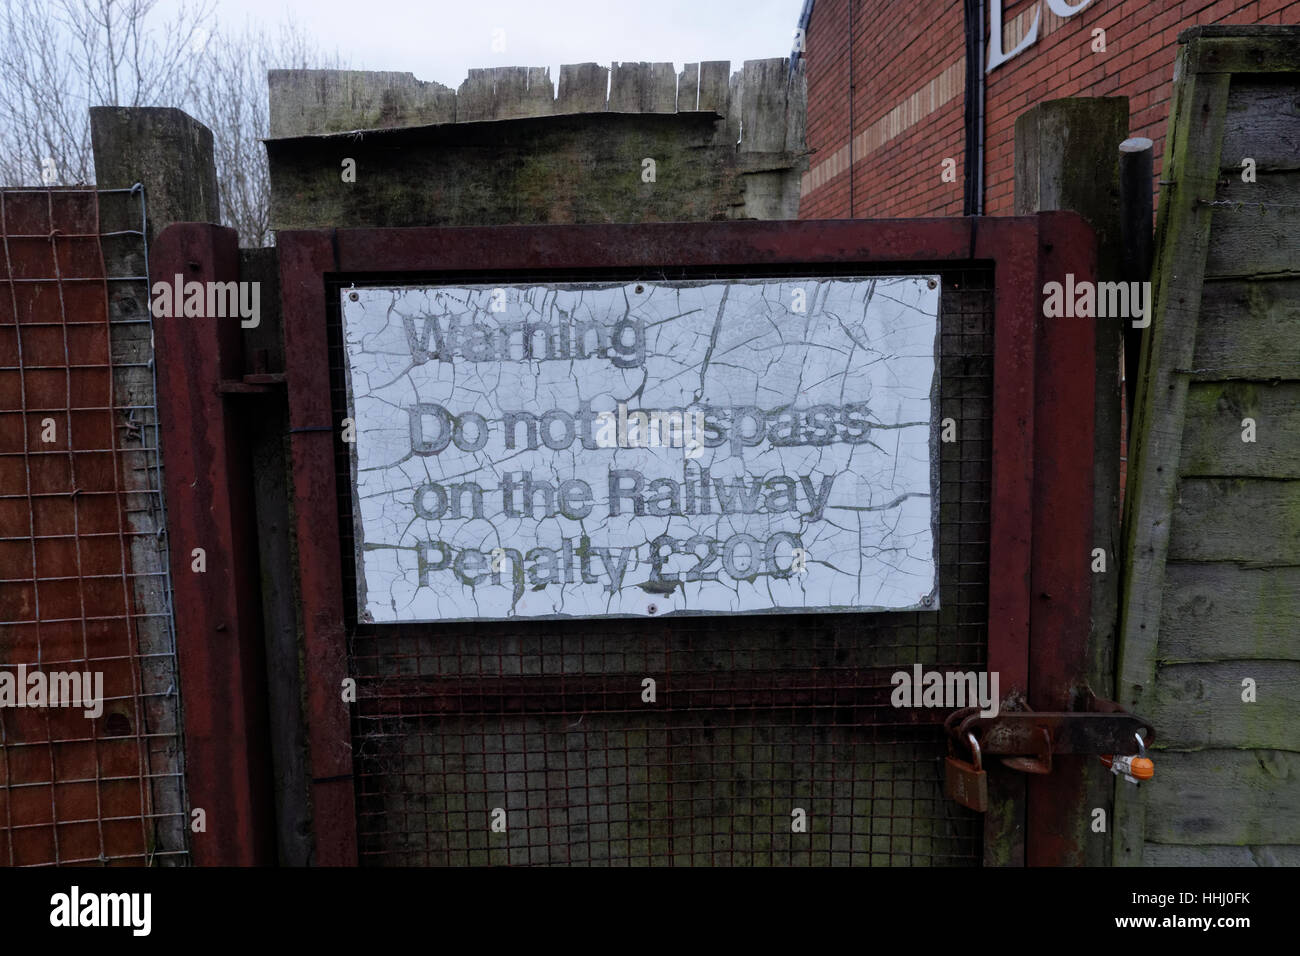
[
  {"x": 541, "y": 725},
  {"x": 84, "y": 584}
]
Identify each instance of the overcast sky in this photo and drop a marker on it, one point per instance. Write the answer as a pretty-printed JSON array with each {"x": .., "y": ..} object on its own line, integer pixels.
[{"x": 441, "y": 39}]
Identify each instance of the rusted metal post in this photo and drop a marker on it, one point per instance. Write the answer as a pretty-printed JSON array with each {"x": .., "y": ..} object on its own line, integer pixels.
[
  {"x": 213, "y": 557},
  {"x": 304, "y": 260},
  {"x": 1065, "y": 160}
]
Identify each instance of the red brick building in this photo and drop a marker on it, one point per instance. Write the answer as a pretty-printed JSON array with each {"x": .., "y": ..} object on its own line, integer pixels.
[{"x": 887, "y": 96}]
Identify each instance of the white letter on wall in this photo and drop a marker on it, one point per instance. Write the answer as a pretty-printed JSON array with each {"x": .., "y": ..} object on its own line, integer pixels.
[
  {"x": 996, "y": 56},
  {"x": 1063, "y": 9}
]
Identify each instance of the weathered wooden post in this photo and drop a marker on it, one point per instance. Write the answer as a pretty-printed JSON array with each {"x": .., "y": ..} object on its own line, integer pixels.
[
  {"x": 218, "y": 641},
  {"x": 1066, "y": 159}
]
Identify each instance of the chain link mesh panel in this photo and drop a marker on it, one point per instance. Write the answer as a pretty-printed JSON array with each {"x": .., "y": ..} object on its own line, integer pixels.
[{"x": 84, "y": 584}]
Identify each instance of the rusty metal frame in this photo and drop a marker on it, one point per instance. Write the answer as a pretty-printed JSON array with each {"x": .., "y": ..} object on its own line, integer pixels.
[
  {"x": 1042, "y": 445},
  {"x": 208, "y": 485}
]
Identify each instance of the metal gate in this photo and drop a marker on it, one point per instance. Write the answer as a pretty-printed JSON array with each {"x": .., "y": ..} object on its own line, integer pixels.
[{"x": 757, "y": 716}]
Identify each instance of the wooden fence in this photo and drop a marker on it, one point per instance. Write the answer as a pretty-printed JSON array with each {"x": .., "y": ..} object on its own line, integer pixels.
[{"x": 1210, "y": 623}]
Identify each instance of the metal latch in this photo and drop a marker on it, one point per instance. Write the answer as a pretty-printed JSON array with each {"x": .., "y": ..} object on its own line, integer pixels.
[{"x": 1026, "y": 740}]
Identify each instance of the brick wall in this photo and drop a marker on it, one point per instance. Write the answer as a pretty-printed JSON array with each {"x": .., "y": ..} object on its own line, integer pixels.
[{"x": 908, "y": 81}]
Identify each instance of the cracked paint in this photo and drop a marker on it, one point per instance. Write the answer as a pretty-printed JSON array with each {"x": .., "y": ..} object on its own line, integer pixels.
[{"x": 596, "y": 449}]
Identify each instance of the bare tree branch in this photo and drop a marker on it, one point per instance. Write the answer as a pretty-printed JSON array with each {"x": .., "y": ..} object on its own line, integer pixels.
[{"x": 54, "y": 65}]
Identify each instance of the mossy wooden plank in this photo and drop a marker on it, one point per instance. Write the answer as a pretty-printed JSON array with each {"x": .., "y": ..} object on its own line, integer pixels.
[
  {"x": 1221, "y": 415},
  {"x": 1278, "y": 52},
  {"x": 629, "y": 87},
  {"x": 1238, "y": 797},
  {"x": 796, "y": 107},
  {"x": 661, "y": 93},
  {"x": 1262, "y": 123},
  {"x": 524, "y": 91},
  {"x": 571, "y": 168},
  {"x": 1192, "y": 160},
  {"x": 1193, "y": 153},
  {"x": 476, "y": 97},
  {"x": 1200, "y": 705},
  {"x": 715, "y": 86},
  {"x": 1159, "y": 854},
  {"x": 1227, "y": 612},
  {"x": 763, "y": 111},
  {"x": 583, "y": 87},
  {"x": 309, "y": 102},
  {"x": 1258, "y": 232},
  {"x": 729, "y": 132},
  {"x": 688, "y": 87},
  {"x": 1248, "y": 330},
  {"x": 1254, "y": 522}
]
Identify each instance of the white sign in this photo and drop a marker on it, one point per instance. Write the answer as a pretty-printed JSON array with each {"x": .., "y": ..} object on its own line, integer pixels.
[{"x": 643, "y": 448}]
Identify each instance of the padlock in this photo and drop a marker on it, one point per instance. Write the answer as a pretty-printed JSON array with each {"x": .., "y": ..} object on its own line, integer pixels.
[
  {"x": 967, "y": 783},
  {"x": 1133, "y": 769}
]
